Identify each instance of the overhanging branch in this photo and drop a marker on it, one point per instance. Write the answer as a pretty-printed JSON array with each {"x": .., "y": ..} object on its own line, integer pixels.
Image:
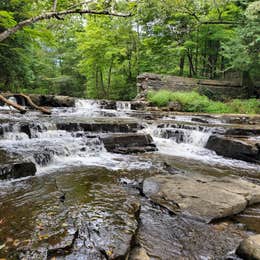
[{"x": 4, "y": 35}]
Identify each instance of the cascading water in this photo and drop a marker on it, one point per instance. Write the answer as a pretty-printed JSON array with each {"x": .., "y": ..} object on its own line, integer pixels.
[
  {"x": 123, "y": 105},
  {"x": 190, "y": 143}
]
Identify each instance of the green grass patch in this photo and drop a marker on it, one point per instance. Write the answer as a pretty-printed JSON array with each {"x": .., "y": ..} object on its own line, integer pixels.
[{"x": 194, "y": 102}]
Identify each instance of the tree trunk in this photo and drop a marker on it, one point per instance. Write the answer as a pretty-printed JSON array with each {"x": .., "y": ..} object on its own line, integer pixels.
[
  {"x": 43, "y": 110},
  {"x": 109, "y": 78},
  {"x": 182, "y": 60},
  {"x": 248, "y": 84},
  {"x": 192, "y": 70},
  {"x": 12, "y": 104}
]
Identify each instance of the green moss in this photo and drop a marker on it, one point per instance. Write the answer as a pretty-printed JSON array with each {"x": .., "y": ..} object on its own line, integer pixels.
[{"x": 194, "y": 102}]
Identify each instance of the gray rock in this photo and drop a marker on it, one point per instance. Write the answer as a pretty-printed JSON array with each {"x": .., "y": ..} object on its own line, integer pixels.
[
  {"x": 17, "y": 170},
  {"x": 14, "y": 167},
  {"x": 240, "y": 149},
  {"x": 129, "y": 143},
  {"x": 250, "y": 248},
  {"x": 202, "y": 197},
  {"x": 139, "y": 253}
]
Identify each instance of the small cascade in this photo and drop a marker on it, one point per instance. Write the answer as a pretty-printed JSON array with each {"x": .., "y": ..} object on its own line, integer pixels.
[
  {"x": 196, "y": 136},
  {"x": 13, "y": 99},
  {"x": 123, "y": 105},
  {"x": 87, "y": 104}
]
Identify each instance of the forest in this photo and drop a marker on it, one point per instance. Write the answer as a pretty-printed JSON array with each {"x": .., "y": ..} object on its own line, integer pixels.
[{"x": 96, "y": 49}]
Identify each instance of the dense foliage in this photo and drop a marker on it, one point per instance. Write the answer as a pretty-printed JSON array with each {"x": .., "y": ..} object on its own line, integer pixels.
[
  {"x": 100, "y": 56},
  {"x": 194, "y": 102}
]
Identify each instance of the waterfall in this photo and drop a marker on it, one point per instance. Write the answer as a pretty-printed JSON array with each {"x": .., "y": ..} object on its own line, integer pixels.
[
  {"x": 123, "y": 105},
  {"x": 87, "y": 104}
]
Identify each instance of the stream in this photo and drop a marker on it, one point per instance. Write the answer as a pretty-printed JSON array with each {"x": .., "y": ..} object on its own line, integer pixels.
[{"x": 85, "y": 202}]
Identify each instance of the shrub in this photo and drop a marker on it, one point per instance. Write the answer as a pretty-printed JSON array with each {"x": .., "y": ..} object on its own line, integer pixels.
[{"x": 194, "y": 102}]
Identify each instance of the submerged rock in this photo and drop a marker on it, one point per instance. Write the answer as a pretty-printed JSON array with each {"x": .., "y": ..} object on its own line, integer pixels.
[
  {"x": 129, "y": 143},
  {"x": 241, "y": 149},
  {"x": 250, "y": 248},
  {"x": 201, "y": 197}
]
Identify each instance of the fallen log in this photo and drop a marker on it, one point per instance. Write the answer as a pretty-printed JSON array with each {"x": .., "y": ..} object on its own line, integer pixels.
[
  {"x": 30, "y": 102},
  {"x": 12, "y": 104}
]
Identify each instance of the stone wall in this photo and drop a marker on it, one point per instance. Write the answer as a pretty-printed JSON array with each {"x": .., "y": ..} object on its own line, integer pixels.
[{"x": 216, "y": 89}]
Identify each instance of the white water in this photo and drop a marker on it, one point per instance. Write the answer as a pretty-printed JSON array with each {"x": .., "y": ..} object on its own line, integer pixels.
[
  {"x": 193, "y": 147},
  {"x": 123, "y": 105},
  {"x": 63, "y": 149}
]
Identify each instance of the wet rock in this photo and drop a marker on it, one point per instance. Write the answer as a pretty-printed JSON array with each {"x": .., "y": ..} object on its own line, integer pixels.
[
  {"x": 105, "y": 127},
  {"x": 14, "y": 167},
  {"x": 202, "y": 197},
  {"x": 139, "y": 253},
  {"x": 25, "y": 128},
  {"x": 70, "y": 127},
  {"x": 138, "y": 105},
  {"x": 165, "y": 236},
  {"x": 17, "y": 170},
  {"x": 53, "y": 101},
  {"x": 199, "y": 120},
  {"x": 108, "y": 104},
  {"x": 235, "y": 148},
  {"x": 43, "y": 158},
  {"x": 250, "y": 248},
  {"x": 243, "y": 131},
  {"x": 129, "y": 143}
]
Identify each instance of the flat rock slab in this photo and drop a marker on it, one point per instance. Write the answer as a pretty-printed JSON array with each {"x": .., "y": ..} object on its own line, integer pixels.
[
  {"x": 129, "y": 143},
  {"x": 202, "y": 197},
  {"x": 250, "y": 248}
]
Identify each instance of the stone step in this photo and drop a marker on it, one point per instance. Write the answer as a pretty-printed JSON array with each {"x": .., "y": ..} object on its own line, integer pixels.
[{"x": 129, "y": 143}]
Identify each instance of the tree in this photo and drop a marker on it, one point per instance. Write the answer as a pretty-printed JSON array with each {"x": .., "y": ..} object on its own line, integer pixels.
[
  {"x": 242, "y": 52},
  {"x": 11, "y": 25},
  {"x": 108, "y": 50}
]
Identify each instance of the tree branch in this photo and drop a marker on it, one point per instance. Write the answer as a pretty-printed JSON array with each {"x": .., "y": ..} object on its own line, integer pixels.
[
  {"x": 4, "y": 35},
  {"x": 221, "y": 22},
  {"x": 54, "y": 7}
]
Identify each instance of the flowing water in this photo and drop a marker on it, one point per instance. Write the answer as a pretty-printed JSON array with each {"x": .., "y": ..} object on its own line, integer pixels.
[{"x": 84, "y": 201}]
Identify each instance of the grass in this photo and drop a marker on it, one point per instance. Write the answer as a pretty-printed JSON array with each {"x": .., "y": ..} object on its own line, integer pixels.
[{"x": 194, "y": 102}]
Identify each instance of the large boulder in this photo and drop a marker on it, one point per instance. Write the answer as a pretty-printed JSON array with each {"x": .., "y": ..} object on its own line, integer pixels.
[
  {"x": 241, "y": 149},
  {"x": 202, "y": 197},
  {"x": 17, "y": 170},
  {"x": 129, "y": 143},
  {"x": 13, "y": 167},
  {"x": 250, "y": 248},
  {"x": 53, "y": 101}
]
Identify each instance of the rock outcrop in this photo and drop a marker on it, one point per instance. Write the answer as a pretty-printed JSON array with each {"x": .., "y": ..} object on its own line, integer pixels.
[
  {"x": 201, "y": 197},
  {"x": 250, "y": 248},
  {"x": 241, "y": 149}
]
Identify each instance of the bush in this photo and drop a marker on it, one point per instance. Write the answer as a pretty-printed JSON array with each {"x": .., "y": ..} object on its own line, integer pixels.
[{"x": 194, "y": 102}]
